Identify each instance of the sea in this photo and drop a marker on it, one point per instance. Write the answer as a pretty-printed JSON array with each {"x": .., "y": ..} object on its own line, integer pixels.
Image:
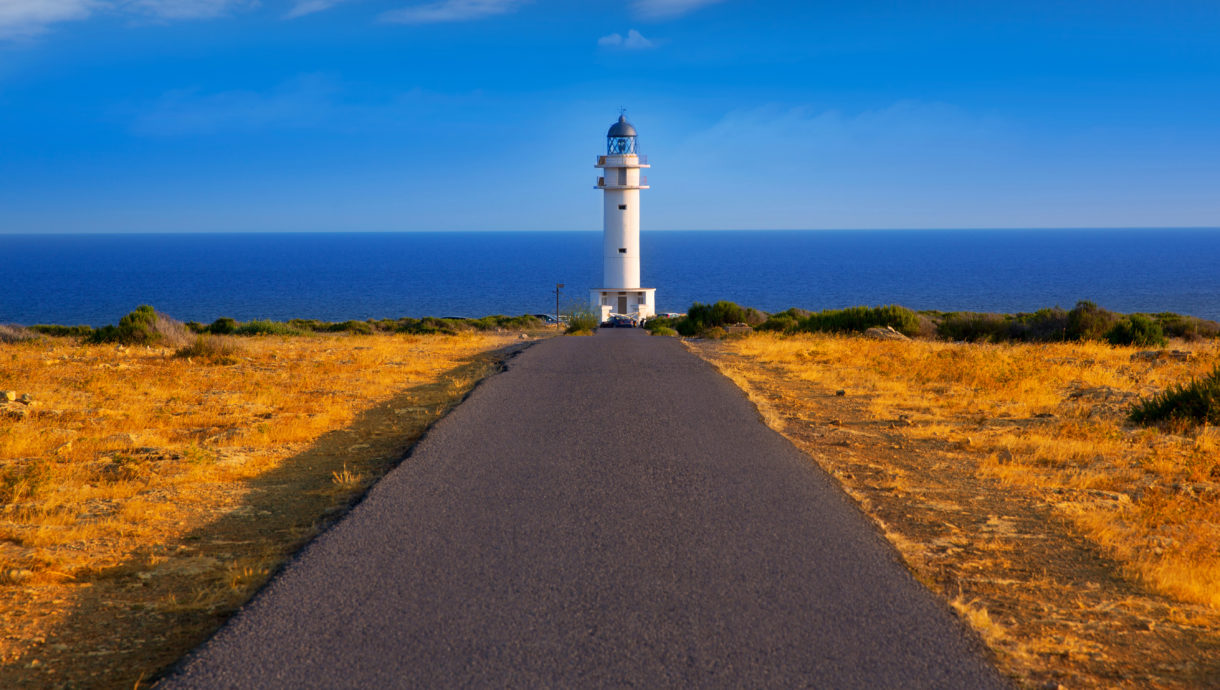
[{"x": 95, "y": 279}]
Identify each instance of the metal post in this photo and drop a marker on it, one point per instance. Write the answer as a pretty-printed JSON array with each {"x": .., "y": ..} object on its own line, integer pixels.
[{"x": 558, "y": 287}]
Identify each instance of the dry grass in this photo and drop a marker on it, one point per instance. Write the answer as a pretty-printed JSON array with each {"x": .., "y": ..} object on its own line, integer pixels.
[
  {"x": 986, "y": 464},
  {"x": 1050, "y": 418},
  {"x": 177, "y": 487}
]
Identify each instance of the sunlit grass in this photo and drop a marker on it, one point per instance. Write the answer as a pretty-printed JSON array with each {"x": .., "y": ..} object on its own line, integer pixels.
[
  {"x": 1050, "y": 419},
  {"x": 125, "y": 450}
]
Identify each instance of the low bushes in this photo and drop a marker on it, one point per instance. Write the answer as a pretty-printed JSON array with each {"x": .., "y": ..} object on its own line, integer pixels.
[
  {"x": 1137, "y": 329},
  {"x": 1197, "y": 402},
  {"x": 144, "y": 326},
  {"x": 62, "y": 331},
  {"x": 581, "y": 319},
  {"x": 213, "y": 349},
  {"x": 701, "y": 318},
  {"x": 860, "y": 319},
  {"x": 15, "y": 334}
]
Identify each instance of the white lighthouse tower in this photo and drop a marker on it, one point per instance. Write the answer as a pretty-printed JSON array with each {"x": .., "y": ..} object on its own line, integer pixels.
[{"x": 621, "y": 184}]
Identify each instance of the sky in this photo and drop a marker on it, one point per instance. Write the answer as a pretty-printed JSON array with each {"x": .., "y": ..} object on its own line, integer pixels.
[{"x": 435, "y": 115}]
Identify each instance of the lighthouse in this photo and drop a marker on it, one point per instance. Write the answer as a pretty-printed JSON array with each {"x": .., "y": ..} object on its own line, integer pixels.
[{"x": 621, "y": 183}]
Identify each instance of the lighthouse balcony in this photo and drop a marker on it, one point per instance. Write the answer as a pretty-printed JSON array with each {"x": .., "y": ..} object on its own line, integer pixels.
[
  {"x": 601, "y": 184},
  {"x": 624, "y": 161}
]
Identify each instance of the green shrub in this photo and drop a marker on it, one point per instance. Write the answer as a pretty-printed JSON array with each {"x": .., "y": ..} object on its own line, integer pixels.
[
  {"x": 1137, "y": 329},
  {"x": 356, "y": 327},
  {"x": 223, "y": 326},
  {"x": 581, "y": 318},
  {"x": 265, "y": 327},
  {"x": 754, "y": 317},
  {"x": 1186, "y": 327},
  {"x": 779, "y": 323},
  {"x": 62, "y": 331},
  {"x": 662, "y": 330},
  {"x": 1087, "y": 321},
  {"x": 144, "y": 326},
  {"x": 657, "y": 323},
  {"x": 1042, "y": 326},
  {"x": 701, "y": 317},
  {"x": 973, "y": 328},
  {"x": 1197, "y": 402},
  {"x": 859, "y": 319}
]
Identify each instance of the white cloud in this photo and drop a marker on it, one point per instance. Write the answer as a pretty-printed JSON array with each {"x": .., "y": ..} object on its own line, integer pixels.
[
  {"x": 23, "y": 18},
  {"x": 634, "y": 41},
  {"x": 667, "y": 9},
  {"x": 451, "y": 11},
  {"x": 187, "y": 9},
  {"x": 304, "y": 7}
]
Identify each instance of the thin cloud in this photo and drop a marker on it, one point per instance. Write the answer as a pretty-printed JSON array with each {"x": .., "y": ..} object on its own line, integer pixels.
[
  {"x": 667, "y": 9},
  {"x": 304, "y": 7},
  {"x": 188, "y": 9},
  {"x": 25, "y": 18},
  {"x": 634, "y": 41},
  {"x": 451, "y": 11},
  {"x": 28, "y": 18}
]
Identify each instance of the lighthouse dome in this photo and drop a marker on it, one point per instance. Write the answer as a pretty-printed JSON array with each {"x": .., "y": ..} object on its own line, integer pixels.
[{"x": 622, "y": 128}]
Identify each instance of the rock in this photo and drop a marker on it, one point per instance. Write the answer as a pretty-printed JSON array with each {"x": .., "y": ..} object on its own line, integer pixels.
[
  {"x": 18, "y": 575},
  {"x": 840, "y": 392},
  {"x": 128, "y": 439},
  {"x": 25, "y": 398},
  {"x": 8, "y": 396},
  {"x": 1156, "y": 355},
  {"x": 887, "y": 333},
  {"x": 13, "y": 411}
]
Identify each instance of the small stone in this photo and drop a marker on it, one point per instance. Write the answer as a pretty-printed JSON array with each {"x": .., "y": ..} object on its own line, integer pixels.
[
  {"x": 887, "y": 333},
  {"x": 8, "y": 396},
  {"x": 25, "y": 398},
  {"x": 840, "y": 392},
  {"x": 18, "y": 575}
]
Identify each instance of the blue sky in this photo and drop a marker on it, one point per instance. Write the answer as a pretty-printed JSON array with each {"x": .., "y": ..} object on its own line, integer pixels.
[{"x": 380, "y": 115}]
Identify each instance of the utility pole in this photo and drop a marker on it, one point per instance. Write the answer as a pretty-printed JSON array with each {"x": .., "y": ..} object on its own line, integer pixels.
[{"x": 558, "y": 287}]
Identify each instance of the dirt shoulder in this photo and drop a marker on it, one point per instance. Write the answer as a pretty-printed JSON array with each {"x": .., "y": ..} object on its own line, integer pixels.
[
  {"x": 1055, "y": 605},
  {"x": 136, "y": 554}
]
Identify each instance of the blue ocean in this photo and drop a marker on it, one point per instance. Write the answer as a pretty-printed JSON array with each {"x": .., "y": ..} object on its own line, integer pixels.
[{"x": 96, "y": 279}]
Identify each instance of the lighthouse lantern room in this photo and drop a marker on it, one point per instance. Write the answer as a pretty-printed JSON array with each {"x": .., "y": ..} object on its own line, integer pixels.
[{"x": 621, "y": 183}]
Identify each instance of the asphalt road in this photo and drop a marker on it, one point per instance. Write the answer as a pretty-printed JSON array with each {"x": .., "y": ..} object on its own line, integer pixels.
[{"x": 609, "y": 511}]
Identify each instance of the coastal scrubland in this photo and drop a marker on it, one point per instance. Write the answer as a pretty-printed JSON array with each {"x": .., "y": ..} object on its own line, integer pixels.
[
  {"x": 148, "y": 489},
  {"x": 1011, "y": 476}
]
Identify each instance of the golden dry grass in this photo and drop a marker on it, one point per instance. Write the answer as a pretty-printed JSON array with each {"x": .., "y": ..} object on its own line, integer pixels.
[
  {"x": 126, "y": 456},
  {"x": 1081, "y": 548},
  {"x": 1049, "y": 418}
]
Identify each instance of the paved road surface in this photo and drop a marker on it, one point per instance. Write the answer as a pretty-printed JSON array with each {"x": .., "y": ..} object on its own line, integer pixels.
[{"x": 610, "y": 511}]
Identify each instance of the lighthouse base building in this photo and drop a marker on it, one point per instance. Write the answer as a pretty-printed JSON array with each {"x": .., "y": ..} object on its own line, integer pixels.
[
  {"x": 638, "y": 303},
  {"x": 621, "y": 183}
]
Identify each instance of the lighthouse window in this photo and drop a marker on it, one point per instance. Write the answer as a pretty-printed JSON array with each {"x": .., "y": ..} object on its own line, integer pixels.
[
  {"x": 622, "y": 207},
  {"x": 622, "y": 250}
]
